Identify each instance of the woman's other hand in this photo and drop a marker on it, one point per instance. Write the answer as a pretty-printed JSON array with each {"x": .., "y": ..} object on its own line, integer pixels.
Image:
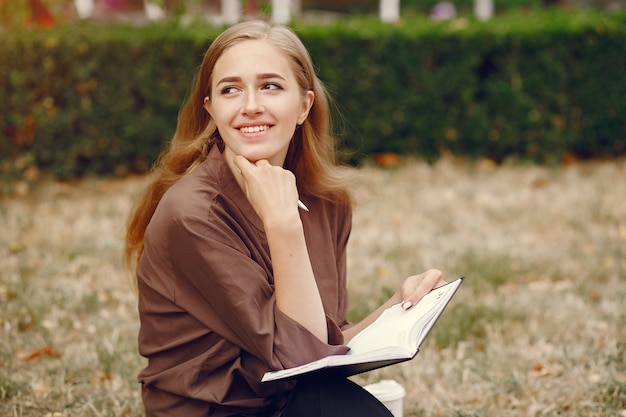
[
  {"x": 411, "y": 291},
  {"x": 416, "y": 286}
]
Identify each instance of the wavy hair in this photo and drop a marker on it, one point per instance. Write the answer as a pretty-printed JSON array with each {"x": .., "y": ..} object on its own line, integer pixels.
[{"x": 311, "y": 155}]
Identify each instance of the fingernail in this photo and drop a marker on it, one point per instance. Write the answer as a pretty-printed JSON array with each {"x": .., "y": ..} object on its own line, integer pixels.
[{"x": 406, "y": 305}]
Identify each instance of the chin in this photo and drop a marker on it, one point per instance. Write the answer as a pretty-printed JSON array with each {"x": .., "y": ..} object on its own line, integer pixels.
[
  {"x": 253, "y": 157},
  {"x": 257, "y": 156}
]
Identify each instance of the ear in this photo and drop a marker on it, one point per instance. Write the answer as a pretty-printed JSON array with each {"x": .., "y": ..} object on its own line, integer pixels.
[
  {"x": 307, "y": 103},
  {"x": 207, "y": 105}
]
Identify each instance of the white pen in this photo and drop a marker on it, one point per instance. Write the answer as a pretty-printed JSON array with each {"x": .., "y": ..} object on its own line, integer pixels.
[{"x": 302, "y": 206}]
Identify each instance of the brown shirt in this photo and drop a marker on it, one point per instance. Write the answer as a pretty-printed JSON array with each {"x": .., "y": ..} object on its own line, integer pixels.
[{"x": 210, "y": 327}]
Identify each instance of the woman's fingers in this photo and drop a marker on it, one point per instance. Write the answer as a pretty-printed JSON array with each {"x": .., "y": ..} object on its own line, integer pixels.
[
  {"x": 244, "y": 165},
  {"x": 261, "y": 171},
  {"x": 270, "y": 189},
  {"x": 417, "y": 286}
]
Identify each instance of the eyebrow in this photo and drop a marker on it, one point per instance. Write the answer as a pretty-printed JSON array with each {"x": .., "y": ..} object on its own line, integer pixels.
[{"x": 263, "y": 76}]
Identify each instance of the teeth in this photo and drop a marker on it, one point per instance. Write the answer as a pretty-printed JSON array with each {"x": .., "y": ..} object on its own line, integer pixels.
[{"x": 254, "y": 129}]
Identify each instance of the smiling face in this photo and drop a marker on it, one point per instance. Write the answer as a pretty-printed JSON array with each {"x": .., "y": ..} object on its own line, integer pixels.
[{"x": 256, "y": 102}]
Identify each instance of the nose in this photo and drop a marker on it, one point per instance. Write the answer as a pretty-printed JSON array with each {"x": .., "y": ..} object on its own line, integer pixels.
[{"x": 252, "y": 104}]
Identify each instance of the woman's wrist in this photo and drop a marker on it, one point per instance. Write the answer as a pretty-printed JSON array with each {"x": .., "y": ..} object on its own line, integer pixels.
[{"x": 283, "y": 224}]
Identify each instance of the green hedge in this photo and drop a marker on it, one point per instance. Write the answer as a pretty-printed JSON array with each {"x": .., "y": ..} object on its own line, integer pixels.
[
  {"x": 103, "y": 99},
  {"x": 534, "y": 86},
  {"x": 92, "y": 99}
]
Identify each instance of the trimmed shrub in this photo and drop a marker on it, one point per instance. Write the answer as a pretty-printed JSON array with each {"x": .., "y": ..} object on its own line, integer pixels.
[
  {"x": 92, "y": 99},
  {"x": 95, "y": 100}
]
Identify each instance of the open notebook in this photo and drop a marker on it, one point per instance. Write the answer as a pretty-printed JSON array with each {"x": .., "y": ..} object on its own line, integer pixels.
[{"x": 395, "y": 336}]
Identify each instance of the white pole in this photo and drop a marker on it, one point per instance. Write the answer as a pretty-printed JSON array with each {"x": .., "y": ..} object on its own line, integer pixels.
[
  {"x": 84, "y": 8},
  {"x": 483, "y": 9},
  {"x": 231, "y": 11},
  {"x": 389, "y": 10},
  {"x": 281, "y": 11}
]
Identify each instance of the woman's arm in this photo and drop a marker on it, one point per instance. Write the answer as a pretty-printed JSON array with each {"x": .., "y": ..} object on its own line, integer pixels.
[
  {"x": 272, "y": 192},
  {"x": 411, "y": 291},
  {"x": 297, "y": 294}
]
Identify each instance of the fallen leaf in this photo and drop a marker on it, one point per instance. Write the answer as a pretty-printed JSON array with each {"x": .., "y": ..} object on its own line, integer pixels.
[
  {"x": 388, "y": 159},
  {"x": 595, "y": 295},
  {"x": 29, "y": 355},
  {"x": 7, "y": 294}
]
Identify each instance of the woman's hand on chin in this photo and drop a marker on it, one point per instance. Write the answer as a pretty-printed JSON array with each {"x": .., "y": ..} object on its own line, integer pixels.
[{"x": 270, "y": 189}]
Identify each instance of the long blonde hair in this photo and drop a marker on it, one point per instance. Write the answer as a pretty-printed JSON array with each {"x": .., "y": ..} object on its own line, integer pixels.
[{"x": 311, "y": 155}]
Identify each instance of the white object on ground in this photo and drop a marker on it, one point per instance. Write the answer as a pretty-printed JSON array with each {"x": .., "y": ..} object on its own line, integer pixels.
[{"x": 390, "y": 393}]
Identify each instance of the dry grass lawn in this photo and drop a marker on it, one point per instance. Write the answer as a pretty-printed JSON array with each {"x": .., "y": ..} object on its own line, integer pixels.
[{"x": 538, "y": 328}]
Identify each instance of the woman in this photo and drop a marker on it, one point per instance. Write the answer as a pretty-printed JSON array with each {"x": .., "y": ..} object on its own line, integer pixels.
[{"x": 234, "y": 279}]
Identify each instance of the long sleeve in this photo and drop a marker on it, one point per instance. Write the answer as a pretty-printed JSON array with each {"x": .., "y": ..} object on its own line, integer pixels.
[{"x": 233, "y": 293}]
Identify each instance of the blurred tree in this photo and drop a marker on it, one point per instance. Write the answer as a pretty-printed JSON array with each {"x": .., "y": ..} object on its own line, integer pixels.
[
  {"x": 343, "y": 6},
  {"x": 6, "y": 14},
  {"x": 177, "y": 8},
  {"x": 39, "y": 13},
  {"x": 40, "y": 16},
  {"x": 119, "y": 6},
  {"x": 251, "y": 7},
  {"x": 173, "y": 7}
]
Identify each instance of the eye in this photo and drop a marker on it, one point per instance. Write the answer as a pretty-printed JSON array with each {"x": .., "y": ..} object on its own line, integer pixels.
[
  {"x": 228, "y": 90},
  {"x": 272, "y": 86}
]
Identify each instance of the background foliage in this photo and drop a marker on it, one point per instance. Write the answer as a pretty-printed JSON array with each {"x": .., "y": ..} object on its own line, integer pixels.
[{"x": 92, "y": 99}]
